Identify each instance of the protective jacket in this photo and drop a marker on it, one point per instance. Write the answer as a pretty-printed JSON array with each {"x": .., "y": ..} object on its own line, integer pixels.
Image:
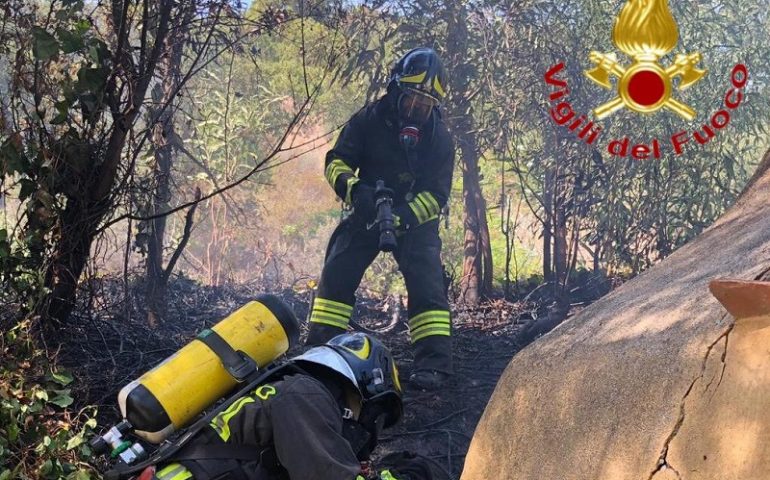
[
  {"x": 421, "y": 177},
  {"x": 294, "y": 424}
]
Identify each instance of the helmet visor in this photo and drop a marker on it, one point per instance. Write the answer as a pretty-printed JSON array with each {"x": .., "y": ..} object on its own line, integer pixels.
[
  {"x": 330, "y": 358},
  {"x": 415, "y": 107}
]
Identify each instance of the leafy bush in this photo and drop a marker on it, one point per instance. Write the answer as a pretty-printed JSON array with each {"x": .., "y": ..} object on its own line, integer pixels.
[{"x": 40, "y": 436}]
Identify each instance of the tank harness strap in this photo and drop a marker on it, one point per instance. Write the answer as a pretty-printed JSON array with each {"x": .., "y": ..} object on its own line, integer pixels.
[
  {"x": 251, "y": 453},
  {"x": 221, "y": 460},
  {"x": 239, "y": 365}
]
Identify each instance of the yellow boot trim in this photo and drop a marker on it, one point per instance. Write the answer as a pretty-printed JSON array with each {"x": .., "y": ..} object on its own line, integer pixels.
[
  {"x": 329, "y": 312},
  {"x": 329, "y": 319},
  {"x": 331, "y": 306},
  {"x": 432, "y": 322},
  {"x": 429, "y": 316},
  {"x": 432, "y": 332}
]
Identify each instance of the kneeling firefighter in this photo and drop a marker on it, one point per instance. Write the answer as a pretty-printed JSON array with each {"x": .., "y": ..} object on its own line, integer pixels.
[{"x": 316, "y": 418}]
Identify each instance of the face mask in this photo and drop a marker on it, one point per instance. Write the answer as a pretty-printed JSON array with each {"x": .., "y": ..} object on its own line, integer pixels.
[{"x": 414, "y": 110}]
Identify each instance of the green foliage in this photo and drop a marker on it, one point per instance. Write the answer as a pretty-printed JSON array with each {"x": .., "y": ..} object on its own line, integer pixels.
[
  {"x": 40, "y": 437},
  {"x": 43, "y": 157}
]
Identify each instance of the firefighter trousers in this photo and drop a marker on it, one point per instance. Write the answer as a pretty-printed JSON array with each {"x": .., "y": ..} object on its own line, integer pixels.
[{"x": 351, "y": 250}]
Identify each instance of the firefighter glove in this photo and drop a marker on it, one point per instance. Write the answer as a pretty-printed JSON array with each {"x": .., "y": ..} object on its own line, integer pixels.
[
  {"x": 403, "y": 218},
  {"x": 363, "y": 201}
]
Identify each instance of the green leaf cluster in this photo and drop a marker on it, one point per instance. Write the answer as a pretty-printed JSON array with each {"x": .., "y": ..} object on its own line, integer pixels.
[{"x": 40, "y": 436}]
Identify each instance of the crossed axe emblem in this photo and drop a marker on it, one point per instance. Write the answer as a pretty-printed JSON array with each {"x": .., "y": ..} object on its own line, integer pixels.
[{"x": 645, "y": 86}]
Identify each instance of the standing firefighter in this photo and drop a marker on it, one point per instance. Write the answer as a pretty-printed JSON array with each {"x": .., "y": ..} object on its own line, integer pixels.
[{"x": 401, "y": 140}]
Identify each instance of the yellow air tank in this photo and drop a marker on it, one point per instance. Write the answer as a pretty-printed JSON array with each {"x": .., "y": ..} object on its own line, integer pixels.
[{"x": 172, "y": 394}]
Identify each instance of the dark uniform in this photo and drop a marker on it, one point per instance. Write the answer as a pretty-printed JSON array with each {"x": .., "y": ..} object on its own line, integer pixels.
[
  {"x": 421, "y": 178},
  {"x": 307, "y": 445}
]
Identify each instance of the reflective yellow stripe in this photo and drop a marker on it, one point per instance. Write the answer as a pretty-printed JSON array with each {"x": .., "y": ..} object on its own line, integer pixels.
[
  {"x": 221, "y": 423},
  {"x": 419, "y": 211},
  {"x": 428, "y": 317},
  {"x": 430, "y": 201},
  {"x": 329, "y": 322},
  {"x": 414, "y": 78},
  {"x": 329, "y": 312},
  {"x": 329, "y": 319},
  {"x": 324, "y": 312},
  {"x": 174, "y": 471},
  {"x": 265, "y": 391},
  {"x": 349, "y": 189},
  {"x": 386, "y": 475},
  {"x": 332, "y": 306},
  {"x": 444, "y": 331},
  {"x": 424, "y": 204},
  {"x": 425, "y": 207},
  {"x": 336, "y": 168},
  {"x": 416, "y": 332},
  {"x": 439, "y": 88},
  {"x": 329, "y": 309}
]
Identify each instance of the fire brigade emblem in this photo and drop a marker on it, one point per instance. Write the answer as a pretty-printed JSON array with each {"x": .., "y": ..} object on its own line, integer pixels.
[{"x": 646, "y": 31}]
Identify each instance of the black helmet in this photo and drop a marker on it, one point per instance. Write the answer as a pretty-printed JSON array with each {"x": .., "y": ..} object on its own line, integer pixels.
[
  {"x": 369, "y": 367},
  {"x": 420, "y": 80}
]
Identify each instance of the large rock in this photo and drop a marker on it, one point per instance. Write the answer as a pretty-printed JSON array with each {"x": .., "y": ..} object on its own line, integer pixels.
[{"x": 655, "y": 381}]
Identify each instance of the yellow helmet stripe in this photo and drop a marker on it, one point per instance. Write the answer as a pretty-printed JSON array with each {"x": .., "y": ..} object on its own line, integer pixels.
[
  {"x": 414, "y": 78},
  {"x": 438, "y": 87},
  {"x": 364, "y": 352},
  {"x": 396, "y": 380}
]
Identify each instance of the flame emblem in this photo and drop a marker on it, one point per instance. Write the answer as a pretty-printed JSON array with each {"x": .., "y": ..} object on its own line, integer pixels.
[{"x": 645, "y": 30}]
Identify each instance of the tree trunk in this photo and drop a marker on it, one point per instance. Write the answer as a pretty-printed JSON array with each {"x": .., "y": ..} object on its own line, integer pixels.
[
  {"x": 473, "y": 202},
  {"x": 87, "y": 208},
  {"x": 477, "y": 262},
  {"x": 560, "y": 248},
  {"x": 68, "y": 262},
  {"x": 163, "y": 140},
  {"x": 548, "y": 188}
]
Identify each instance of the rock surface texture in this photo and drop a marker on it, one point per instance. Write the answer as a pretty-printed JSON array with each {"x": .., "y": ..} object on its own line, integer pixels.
[{"x": 656, "y": 381}]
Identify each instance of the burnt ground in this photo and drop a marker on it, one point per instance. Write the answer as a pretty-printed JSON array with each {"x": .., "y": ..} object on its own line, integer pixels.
[{"x": 110, "y": 343}]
